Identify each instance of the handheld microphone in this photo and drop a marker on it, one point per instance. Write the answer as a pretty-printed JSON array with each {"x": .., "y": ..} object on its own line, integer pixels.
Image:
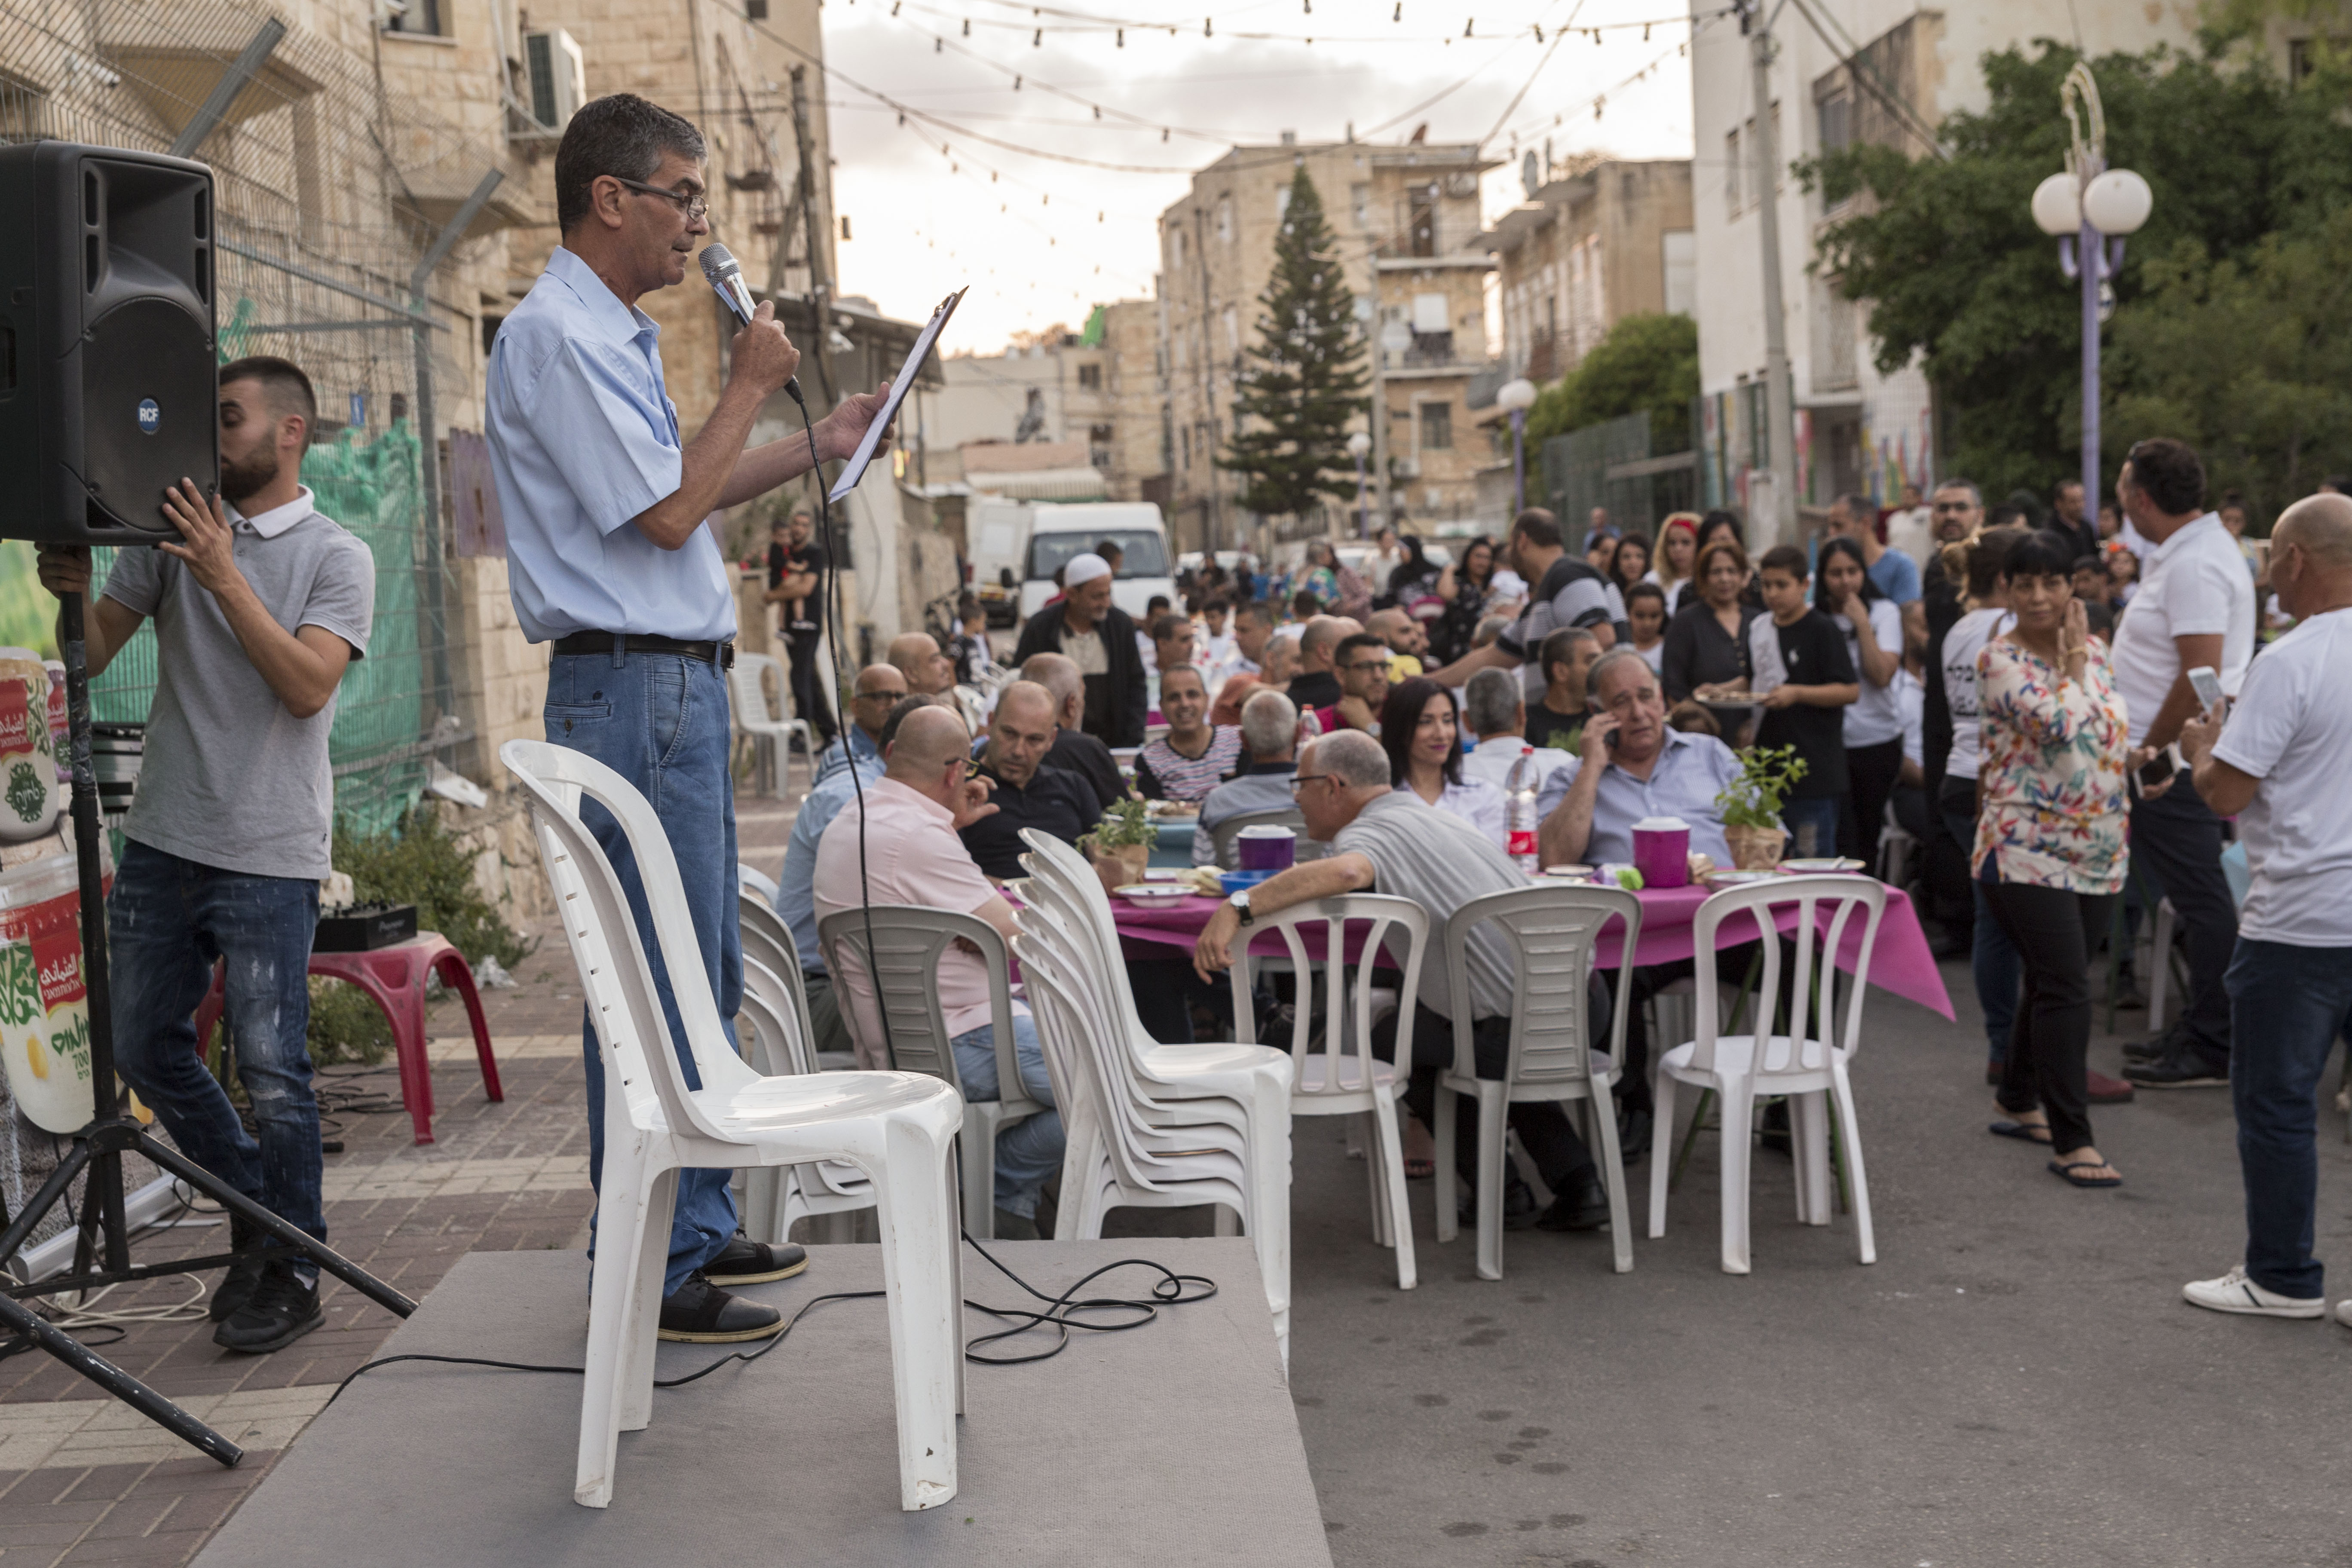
[{"x": 724, "y": 275}]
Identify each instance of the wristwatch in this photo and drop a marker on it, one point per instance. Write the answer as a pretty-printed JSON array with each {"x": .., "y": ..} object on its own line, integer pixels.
[{"x": 1240, "y": 900}]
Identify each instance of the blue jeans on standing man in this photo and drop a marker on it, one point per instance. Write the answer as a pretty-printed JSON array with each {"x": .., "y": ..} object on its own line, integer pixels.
[
  {"x": 167, "y": 920},
  {"x": 2286, "y": 1006},
  {"x": 1027, "y": 1153},
  {"x": 660, "y": 721}
]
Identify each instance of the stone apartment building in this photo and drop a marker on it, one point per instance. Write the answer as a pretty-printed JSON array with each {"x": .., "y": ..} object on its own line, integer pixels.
[
  {"x": 1407, "y": 220},
  {"x": 1095, "y": 388},
  {"x": 1608, "y": 240}
]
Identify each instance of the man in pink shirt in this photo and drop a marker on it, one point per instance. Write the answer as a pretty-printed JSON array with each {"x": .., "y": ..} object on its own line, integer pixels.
[{"x": 911, "y": 816}]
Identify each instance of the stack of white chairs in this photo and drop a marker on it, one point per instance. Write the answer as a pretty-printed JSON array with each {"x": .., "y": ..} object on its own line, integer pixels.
[
  {"x": 1344, "y": 1078},
  {"x": 1809, "y": 1065},
  {"x": 898, "y": 1128},
  {"x": 1552, "y": 931},
  {"x": 779, "y": 1039},
  {"x": 1147, "y": 1125}
]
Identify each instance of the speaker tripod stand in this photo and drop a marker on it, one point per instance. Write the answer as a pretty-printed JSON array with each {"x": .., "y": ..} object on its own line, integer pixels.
[{"x": 103, "y": 1255}]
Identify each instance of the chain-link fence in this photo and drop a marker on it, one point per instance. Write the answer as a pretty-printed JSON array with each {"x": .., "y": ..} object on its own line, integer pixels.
[{"x": 329, "y": 192}]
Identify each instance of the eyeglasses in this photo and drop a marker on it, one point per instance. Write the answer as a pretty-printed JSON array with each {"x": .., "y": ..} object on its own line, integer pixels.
[
  {"x": 695, "y": 204},
  {"x": 971, "y": 768},
  {"x": 1298, "y": 779},
  {"x": 876, "y": 695}
]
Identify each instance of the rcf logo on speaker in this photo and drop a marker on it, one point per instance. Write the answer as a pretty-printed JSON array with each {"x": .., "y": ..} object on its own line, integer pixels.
[{"x": 150, "y": 418}]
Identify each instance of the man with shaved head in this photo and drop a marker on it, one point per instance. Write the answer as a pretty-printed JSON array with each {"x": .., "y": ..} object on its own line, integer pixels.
[
  {"x": 2278, "y": 762},
  {"x": 1406, "y": 638},
  {"x": 1075, "y": 751},
  {"x": 1316, "y": 684},
  {"x": 1029, "y": 792},
  {"x": 898, "y": 845},
  {"x": 918, "y": 658},
  {"x": 877, "y": 686},
  {"x": 1389, "y": 841}
]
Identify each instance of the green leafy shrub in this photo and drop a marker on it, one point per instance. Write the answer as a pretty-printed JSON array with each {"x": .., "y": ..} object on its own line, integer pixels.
[{"x": 420, "y": 862}]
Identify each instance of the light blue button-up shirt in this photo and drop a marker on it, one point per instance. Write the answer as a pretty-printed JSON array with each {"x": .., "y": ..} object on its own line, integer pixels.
[
  {"x": 796, "y": 886},
  {"x": 583, "y": 437},
  {"x": 1691, "y": 771},
  {"x": 852, "y": 743}
]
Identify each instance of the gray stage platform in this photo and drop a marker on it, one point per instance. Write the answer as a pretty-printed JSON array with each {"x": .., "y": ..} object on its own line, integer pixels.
[{"x": 1175, "y": 1442}]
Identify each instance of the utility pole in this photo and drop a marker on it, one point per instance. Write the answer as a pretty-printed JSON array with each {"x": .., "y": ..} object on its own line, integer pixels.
[
  {"x": 820, "y": 284},
  {"x": 1779, "y": 416},
  {"x": 1380, "y": 411}
]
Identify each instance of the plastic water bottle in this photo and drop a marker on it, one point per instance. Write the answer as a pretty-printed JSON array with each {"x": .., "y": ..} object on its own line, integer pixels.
[
  {"x": 1310, "y": 726},
  {"x": 1519, "y": 811}
]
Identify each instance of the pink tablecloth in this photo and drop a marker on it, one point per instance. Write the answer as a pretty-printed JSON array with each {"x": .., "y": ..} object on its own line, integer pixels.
[{"x": 1901, "y": 962}]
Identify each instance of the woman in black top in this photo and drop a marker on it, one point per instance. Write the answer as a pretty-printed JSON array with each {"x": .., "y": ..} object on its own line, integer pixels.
[
  {"x": 1707, "y": 643},
  {"x": 1464, "y": 585},
  {"x": 1724, "y": 525}
]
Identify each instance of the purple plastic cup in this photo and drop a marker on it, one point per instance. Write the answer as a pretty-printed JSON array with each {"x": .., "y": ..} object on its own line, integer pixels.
[
  {"x": 1662, "y": 851},
  {"x": 1266, "y": 848}
]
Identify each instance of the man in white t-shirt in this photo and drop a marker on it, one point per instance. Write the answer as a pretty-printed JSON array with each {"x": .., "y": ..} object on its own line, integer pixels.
[
  {"x": 2278, "y": 767},
  {"x": 2195, "y": 608}
]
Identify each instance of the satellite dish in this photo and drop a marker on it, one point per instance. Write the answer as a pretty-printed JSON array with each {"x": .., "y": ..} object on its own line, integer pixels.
[{"x": 1530, "y": 174}]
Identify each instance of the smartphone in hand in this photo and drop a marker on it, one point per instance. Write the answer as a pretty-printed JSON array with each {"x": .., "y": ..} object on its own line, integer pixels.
[{"x": 2207, "y": 683}]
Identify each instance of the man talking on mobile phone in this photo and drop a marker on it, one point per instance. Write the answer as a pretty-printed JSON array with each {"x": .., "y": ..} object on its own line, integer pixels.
[{"x": 612, "y": 560}]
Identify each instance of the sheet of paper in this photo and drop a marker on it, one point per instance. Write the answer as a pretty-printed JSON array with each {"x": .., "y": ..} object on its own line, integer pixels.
[{"x": 899, "y": 386}]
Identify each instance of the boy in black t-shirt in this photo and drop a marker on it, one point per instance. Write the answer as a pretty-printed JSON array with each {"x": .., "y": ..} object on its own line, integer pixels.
[{"x": 1805, "y": 706}]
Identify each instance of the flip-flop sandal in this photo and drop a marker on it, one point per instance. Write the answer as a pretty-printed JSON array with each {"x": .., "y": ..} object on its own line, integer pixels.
[
  {"x": 2066, "y": 1171},
  {"x": 2031, "y": 1133}
]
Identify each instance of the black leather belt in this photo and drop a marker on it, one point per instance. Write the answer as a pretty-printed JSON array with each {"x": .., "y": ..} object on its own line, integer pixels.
[{"x": 722, "y": 654}]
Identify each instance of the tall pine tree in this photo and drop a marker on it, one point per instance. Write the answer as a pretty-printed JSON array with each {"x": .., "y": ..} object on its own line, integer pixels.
[{"x": 1307, "y": 380}]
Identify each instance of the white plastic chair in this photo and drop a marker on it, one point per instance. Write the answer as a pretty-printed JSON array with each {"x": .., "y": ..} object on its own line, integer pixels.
[
  {"x": 1804, "y": 1067},
  {"x": 1552, "y": 931},
  {"x": 770, "y": 736},
  {"x": 897, "y": 1128},
  {"x": 754, "y": 881},
  {"x": 776, "y": 1196},
  {"x": 1344, "y": 1078},
  {"x": 1895, "y": 844},
  {"x": 907, "y": 944}
]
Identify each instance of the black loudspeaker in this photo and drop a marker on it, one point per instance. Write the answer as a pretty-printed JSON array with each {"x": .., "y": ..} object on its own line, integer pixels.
[{"x": 109, "y": 386}]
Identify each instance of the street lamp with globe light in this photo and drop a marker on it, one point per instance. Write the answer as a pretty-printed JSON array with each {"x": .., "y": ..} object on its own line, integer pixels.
[
  {"x": 1517, "y": 397},
  {"x": 1359, "y": 445},
  {"x": 2090, "y": 207}
]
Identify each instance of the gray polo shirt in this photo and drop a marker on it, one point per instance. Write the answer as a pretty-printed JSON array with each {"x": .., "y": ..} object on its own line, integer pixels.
[
  {"x": 230, "y": 778},
  {"x": 1441, "y": 863}
]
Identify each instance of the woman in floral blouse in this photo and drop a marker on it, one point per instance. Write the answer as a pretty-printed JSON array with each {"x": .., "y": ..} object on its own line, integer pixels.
[{"x": 2050, "y": 842}]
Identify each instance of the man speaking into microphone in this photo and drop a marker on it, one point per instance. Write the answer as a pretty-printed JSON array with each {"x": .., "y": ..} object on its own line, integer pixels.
[{"x": 611, "y": 559}]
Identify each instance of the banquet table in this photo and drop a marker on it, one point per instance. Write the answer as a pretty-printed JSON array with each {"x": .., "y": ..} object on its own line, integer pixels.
[{"x": 1902, "y": 963}]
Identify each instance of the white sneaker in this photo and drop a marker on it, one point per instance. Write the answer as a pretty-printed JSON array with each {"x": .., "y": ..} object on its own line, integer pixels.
[
  {"x": 2233, "y": 1292},
  {"x": 2344, "y": 1313}
]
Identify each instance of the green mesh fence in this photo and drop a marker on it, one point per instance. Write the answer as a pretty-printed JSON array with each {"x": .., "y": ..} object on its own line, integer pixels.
[{"x": 371, "y": 487}]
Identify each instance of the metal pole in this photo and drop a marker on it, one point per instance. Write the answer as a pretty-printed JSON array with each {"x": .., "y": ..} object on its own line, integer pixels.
[
  {"x": 1380, "y": 420},
  {"x": 1779, "y": 418},
  {"x": 241, "y": 70},
  {"x": 1363, "y": 517},
  {"x": 2091, "y": 258},
  {"x": 1519, "y": 456}
]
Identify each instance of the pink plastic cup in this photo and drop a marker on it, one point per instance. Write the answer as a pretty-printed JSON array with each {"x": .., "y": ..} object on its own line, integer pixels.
[{"x": 1662, "y": 851}]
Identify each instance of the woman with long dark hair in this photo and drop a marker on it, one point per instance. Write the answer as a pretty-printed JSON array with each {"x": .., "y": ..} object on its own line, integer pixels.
[
  {"x": 1420, "y": 731},
  {"x": 1873, "y": 625},
  {"x": 1631, "y": 563},
  {"x": 1466, "y": 585}
]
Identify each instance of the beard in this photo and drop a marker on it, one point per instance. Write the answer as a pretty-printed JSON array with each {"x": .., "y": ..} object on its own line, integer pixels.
[{"x": 255, "y": 474}]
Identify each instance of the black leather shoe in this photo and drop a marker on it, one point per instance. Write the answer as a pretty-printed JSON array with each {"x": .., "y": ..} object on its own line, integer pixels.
[
  {"x": 1584, "y": 1206},
  {"x": 242, "y": 1277},
  {"x": 700, "y": 1313},
  {"x": 283, "y": 1309},
  {"x": 1518, "y": 1204},
  {"x": 748, "y": 1262},
  {"x": 2180, "y": 1069},
  {"x": 1011, "y": 1227}
]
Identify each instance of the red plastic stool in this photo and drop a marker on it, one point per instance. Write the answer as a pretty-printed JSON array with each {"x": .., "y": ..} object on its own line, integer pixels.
[{"x": 395, "y": 977}]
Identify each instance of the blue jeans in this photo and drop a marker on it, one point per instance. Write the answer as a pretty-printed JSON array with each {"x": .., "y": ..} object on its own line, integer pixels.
[
  {"x": 1028, "y": 1152},
  {"x": 1993, "y": 962},
  {"x": 1812, "y": 827},
  {"x": 2286, "y": 1006},
  {"x": 166, "y": 921},
  {"x": 660, "y": 721}
]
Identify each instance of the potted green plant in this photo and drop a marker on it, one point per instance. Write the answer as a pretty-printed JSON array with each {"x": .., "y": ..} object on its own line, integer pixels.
[
  {"x": 1750, "y": 805},
  {"x": 1126, "y": 833}
]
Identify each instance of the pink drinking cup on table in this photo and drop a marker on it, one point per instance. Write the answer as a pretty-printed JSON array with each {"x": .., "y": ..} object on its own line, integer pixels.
[
  {"x": 1662, "y": 851},
  {"x": 1266, "y": 848}
]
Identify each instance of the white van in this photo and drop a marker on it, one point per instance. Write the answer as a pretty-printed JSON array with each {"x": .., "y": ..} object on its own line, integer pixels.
[{"x": 1059, "y": 531}]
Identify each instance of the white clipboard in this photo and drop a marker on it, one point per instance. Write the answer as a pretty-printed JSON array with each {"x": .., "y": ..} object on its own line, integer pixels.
[{"x": 899, "y": 386}]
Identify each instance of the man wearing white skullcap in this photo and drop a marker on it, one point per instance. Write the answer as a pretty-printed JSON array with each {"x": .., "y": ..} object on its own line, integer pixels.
[{"x": 1097, "y": 636}]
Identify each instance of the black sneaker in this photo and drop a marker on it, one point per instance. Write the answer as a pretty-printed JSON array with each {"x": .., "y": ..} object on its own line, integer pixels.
[
  {"x": 747, "y": 1262},
  {"x": 2180, "y": 1069},
  {"x": 700, "y": 1313},
  {"x": 242, "y": 1277},
  {"x": 1584, "y": 1206},
  {"x": 283, "y": 1309},
  {"x": 1518, "y": 1204}
]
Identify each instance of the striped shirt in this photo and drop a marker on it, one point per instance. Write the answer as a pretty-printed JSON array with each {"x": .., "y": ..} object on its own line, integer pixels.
[
  {"x": 1440, "y": 862},
  {"x": 1162, "y": 773}
]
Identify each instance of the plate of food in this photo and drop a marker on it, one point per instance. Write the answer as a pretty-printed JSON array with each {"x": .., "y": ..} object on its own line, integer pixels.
[
  {"x": 1827, "y": 865},
  {"x": 1154, "y": 892}
]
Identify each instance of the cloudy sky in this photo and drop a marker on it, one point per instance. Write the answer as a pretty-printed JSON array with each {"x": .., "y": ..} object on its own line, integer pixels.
[{"x": 1019, "y": 204}]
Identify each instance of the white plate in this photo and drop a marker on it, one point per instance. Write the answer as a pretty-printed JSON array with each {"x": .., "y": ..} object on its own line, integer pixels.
[
  {"x": 1738, "y": 878},
  {"x": 1152, "y": 892},
  {"x": 1815, "y": 867},
  {"x": 1570, "y": 873}
]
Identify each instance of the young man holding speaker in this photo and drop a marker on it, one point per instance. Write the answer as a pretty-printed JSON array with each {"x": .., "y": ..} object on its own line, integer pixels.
[
  {"x": 611, "y": 559},
  {"x": 259, "y": 604}
]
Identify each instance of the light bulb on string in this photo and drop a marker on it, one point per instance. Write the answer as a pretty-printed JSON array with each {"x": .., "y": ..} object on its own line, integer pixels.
[
  {"x": 1038, "y": 42},
  {"x": 1122, "y": 37},
  {"x": 1208, "y": 27},
  {"x": 1467, "y": 25},
  {"x": 1016, "y": 82},
  {"x": 1539, "y": 32}
]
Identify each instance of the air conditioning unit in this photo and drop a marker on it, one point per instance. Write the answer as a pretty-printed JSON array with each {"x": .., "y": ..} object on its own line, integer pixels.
[
  {"x": 1408, "y": 467},
  {"x": 559, "y": 76}
]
